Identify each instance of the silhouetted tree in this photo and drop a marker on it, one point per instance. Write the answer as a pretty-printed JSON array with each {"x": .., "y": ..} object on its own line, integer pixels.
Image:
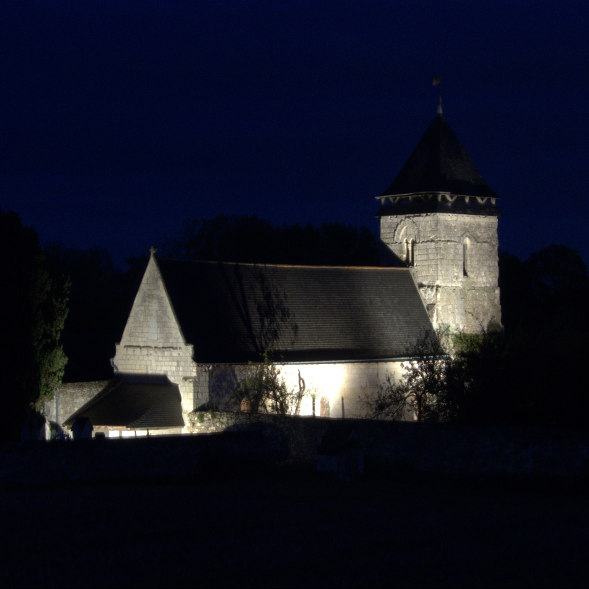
[
  {"x": 421, "y": 391},
  {"x": 264, "y": 390},
  {"x": 100, "y": 301},
  {"x": 476, "y": 391},
  {"x": 546, "y": 319},
  {"x": 33, "y": 308}
]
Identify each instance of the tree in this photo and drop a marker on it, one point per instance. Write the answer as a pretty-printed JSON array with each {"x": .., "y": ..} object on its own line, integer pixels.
[
  {"x": 546, "y": 318},
  {"x": 476, "y": 391},
  {"x": 100, "y": 298},
  {"x": 422, "y": 389},
  {"x": 33, "y": 308},
  {"x": 466, "y": 386},
  {"x": 264, "y": 390}
]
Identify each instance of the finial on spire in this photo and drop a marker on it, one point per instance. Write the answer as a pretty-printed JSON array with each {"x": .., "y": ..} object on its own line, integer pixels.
[
  {"x": 438, "y": 82},
  {"x": 152, "y": 250}
]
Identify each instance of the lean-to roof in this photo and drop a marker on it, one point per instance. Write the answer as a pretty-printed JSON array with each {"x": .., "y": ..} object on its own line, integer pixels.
[{"x": 150, "y": 403}]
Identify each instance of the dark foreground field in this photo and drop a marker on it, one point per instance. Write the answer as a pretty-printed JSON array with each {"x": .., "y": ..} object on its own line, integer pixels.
[{"x": 293, "y": 531}]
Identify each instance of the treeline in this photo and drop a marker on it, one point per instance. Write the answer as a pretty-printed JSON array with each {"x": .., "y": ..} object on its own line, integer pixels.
[
  {"x": 250, "y": 239},
  {"x": 540, "y": 356}
]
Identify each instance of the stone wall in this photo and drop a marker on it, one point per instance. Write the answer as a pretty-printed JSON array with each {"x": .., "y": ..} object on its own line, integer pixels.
[
  {"x": 455, "y": 265},
  {"x": 153, "y": 343},
  {"x": 427, "y": 447},
  {"x": 328, "y": 383},
  {"x": 264, "y": 441},
  {"x": 69, "y": 397}
]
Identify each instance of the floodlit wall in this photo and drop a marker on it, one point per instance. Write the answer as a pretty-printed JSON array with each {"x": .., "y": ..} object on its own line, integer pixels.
[
  {"x": 455, "y": 265},
  {"x": 325, "y": 385}
]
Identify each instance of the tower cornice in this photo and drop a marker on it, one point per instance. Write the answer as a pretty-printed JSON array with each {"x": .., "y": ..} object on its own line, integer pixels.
[{"x": 437, "y": 201}]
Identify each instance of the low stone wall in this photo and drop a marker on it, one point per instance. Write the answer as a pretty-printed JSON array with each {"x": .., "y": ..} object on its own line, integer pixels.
[
  {"x": 137, "y": 459},
  {"x": 254, "y": 442},
  {"x": 426, "y": 447}
]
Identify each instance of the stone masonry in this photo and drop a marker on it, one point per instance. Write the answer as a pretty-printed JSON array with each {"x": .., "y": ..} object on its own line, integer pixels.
[
  {"x": 330, "y": 388},
  {"x": 69, "y": 397},
  {"x": 455, "y": 265},
  {"x": 153, "y": 344}
]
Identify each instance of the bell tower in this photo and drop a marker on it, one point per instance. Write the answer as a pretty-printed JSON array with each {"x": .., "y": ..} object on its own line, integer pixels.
[{"x": 440, "y": 218}]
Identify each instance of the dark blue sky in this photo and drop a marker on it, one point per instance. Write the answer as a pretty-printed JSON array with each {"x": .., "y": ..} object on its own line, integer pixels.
[{"x": 120, "y": 119}]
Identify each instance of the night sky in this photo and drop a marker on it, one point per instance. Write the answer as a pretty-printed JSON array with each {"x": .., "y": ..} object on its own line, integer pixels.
[{"x": 121, "y": 119}]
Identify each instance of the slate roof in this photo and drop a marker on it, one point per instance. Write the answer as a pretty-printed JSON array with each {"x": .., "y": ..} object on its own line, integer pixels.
[
  {"x": 147, "y": 404},
  {"x": 232, "y": 312},
  {"x": 440, "y": 163}
]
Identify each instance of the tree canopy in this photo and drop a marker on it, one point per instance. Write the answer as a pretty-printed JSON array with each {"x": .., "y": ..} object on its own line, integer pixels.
[
  {"x": 33, "y": 309},
  {"x": 100, "y": 300}
]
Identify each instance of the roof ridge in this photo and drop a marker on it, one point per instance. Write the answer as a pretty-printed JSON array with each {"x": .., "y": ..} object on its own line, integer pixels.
[{"x": 274, "y": 265}]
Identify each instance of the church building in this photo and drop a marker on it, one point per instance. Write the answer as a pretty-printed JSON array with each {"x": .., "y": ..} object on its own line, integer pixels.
[{"x": 334, "y": 333}]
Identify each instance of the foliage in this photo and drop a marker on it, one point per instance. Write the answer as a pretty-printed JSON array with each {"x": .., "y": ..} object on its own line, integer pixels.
[
  {"x": 101, "y": 296},
  {"x": 390, "y": 401},
  {"x": 51, "y": 312},
  {"x": 33, "y": 309},
  {"x": 422, "y": 388},
  {"x": 527, "y": 373},
  {"x": 546, "y": 318},
  {"x": 475, "y": 375},
  {"x": 267, "y": 391}
]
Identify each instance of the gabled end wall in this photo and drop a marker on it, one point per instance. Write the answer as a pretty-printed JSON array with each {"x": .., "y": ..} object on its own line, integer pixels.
[{"x": 153, "y": 343}]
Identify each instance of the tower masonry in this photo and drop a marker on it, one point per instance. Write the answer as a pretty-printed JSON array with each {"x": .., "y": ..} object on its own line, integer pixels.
[{"x": 440, "y": 218}]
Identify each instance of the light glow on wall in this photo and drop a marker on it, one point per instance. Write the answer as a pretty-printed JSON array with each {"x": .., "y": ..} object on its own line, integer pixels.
[{"x": 352, "y": 381}]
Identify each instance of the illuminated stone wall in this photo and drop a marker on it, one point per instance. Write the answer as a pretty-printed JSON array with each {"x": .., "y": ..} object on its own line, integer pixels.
[
  {"x": 153, "y": 344},
  {"x": 329, "y": 383},
  {"x": 69, "y": 397},
  {"x": 455, "y": 265}
]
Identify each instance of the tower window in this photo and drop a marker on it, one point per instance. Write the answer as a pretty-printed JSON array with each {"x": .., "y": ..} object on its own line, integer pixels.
[
  {"x": 466, "y": 253},
  {"x": 410, "y": 252}
]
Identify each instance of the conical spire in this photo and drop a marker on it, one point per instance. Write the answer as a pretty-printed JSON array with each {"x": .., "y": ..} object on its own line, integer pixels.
[
  {"x": 439, "y": 163},
  {"x": 439, "y": 175}
]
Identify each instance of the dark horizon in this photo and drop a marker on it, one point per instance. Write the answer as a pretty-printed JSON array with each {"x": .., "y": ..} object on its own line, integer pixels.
[{"x": 122, "y": 120}]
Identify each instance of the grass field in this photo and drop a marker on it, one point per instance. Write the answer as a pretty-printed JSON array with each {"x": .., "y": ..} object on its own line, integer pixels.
[{"x": 293, "y": 531}]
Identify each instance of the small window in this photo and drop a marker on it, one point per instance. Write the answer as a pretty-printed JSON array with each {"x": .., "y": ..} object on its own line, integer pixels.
[
  {"x": 466, "y": 253},
  {"x": 410, "y": 252}
]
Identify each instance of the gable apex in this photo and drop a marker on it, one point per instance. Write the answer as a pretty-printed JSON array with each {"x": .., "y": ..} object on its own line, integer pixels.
[{"x": 152, "y": 320}]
